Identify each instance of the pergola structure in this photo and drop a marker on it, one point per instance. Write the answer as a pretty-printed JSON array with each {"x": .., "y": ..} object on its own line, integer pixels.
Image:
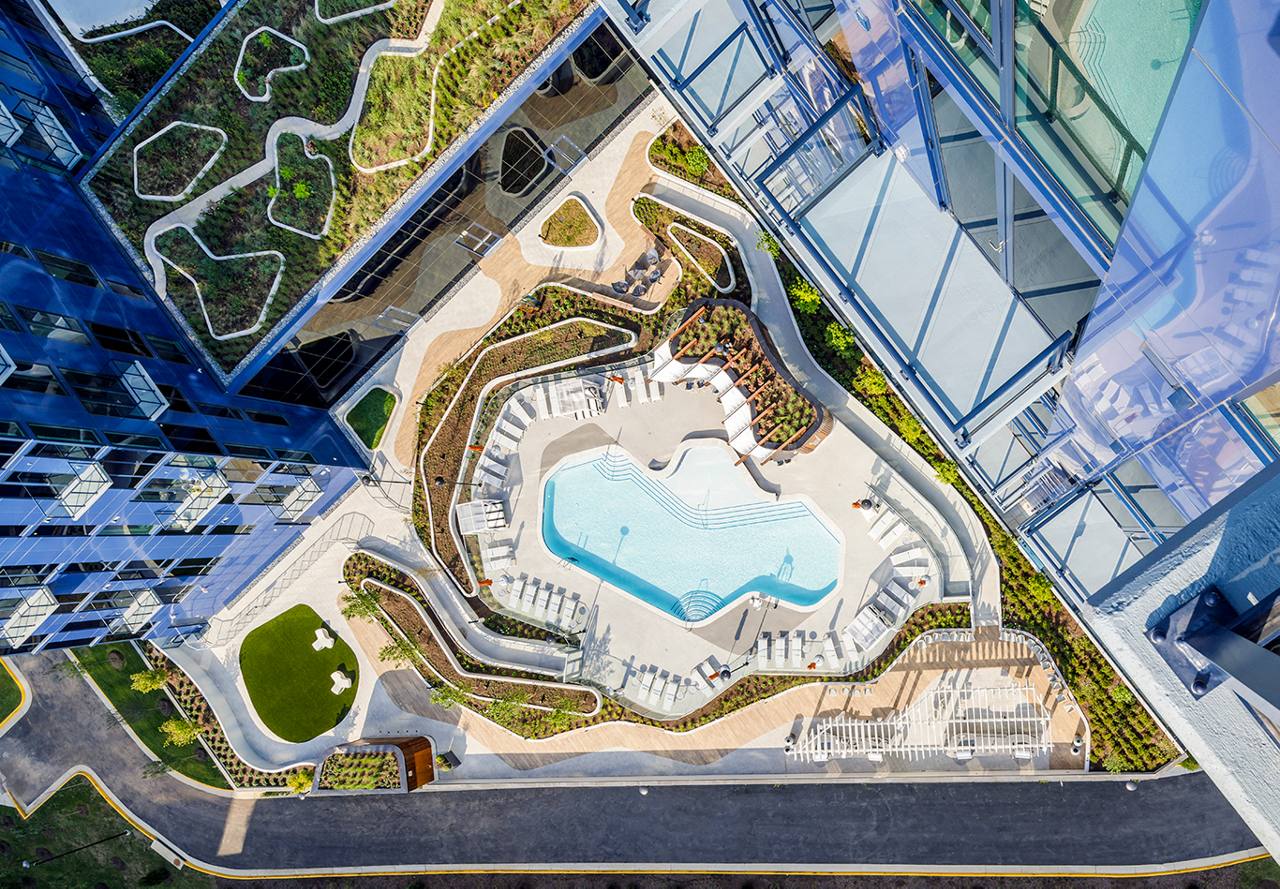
[{"x": 956, "y": 722}]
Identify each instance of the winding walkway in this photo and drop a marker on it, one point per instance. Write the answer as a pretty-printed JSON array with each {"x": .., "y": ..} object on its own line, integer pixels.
[{"x": 1083, "y": 826}]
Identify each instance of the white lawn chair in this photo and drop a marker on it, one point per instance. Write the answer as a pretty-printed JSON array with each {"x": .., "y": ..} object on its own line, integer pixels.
[
  {"x": 829, "y": 651},
  {"x": 797, "y": 648},
  {"x": 890, "y": 539},
  {"x": 882, "y": 523},
  {"x": 543, "y": 402},
  {"x": 639, "y": 387},
  {"x": 669, "y": 696},
  {"x": 914, "y": 554},
  {"x": 764, "y": 650}
]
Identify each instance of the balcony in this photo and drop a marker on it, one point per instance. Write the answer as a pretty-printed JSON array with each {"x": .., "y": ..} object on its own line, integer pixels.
[
  {"x": 10, "y": 126},
  {"x": 82, "y": 487},
  {"x": 37, "y": 604},
  {"x": 295, "y": 503},
  {"x": 203, "y": 493},
  {"x": 144, "y": 391},
  {"x": 6, "y": 363},
  {"x": 139, "y": 607}
]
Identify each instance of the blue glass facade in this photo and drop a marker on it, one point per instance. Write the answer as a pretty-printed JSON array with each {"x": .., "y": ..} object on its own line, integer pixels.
[
  {"x": 136, "y": 495},
  {"x": 1112, "y": 164}
]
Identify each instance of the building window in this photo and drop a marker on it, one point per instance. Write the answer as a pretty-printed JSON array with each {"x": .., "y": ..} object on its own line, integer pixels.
[
  {"x": 104, "y": 395},
  {"x": 8, "y": 320},
  {"x": 127, "y": 468},
  {"x": 117, "y": 339},
  {"x": 191, "y": 438},
  {"x": 218, "y": 410},
  {"x": 167, "y": 349},
  {"x": 37, "y": 378},
  {"x": 126, "y": 530},
  {"x": 253, "y": 452},
  {"x": 62, "y": 531},
  {"x": 64, "y": 433},
  {"x": 296, "y": 456},
  {"x": 67, "y": 269},
  {"x": 12, "y": 530},
  {"x": 87, "y": 567},
  {"x": 233, "y": 529},
  {"x": 125, "y": 289},
  {"x": 16, "y": 249},
  {"x": 24, "y": 575},
  {"x": 177, "y": 401},
  {"x": 193, "y": 567},
  {"x": 269, "y": 418},
  {"x": 64, "y": 452},
  {"x": 53, "y": 326},
  {"x": 135, "y": 440}
]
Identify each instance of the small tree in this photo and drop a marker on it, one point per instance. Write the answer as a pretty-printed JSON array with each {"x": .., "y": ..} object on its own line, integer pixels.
[
  {"x": 804, "y": 297},
  {"x": 767, "y": 243},
  {"x": 148, "y": 681},
  {"x": 401, "y": 652},
  {"x": 948, "y": 473},
  {"x": 696, "y": 161},
  {"x": 506, "y": 708},
  {"x": 300, "y": 781},
  {"x": 841, "y": 340},
  {"x": 446, "y": 695},
  {"x": 361, "y": 602},
  {"x": 179, "y": 732}
]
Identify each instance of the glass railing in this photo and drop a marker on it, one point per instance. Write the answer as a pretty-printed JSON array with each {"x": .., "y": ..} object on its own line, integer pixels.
[{"x": 962, "y": 44}]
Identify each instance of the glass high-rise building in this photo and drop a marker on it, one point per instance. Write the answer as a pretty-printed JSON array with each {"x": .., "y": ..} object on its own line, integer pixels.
[{"x": 137, "y": 495}]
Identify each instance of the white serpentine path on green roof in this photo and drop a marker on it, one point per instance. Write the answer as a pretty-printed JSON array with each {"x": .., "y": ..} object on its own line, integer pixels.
[{"x": 189, "y": 214}]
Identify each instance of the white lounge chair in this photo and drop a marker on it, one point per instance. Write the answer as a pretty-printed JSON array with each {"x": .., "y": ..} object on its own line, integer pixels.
[
  {"x": 829, "y": 651},
  {"x": 890, "y": 539},
  {"x": 797, "y": 648},
  {"x": 669, "y": 696},
  {"x": 905, "y": 556},
  {"x": 639, "y": 387}
]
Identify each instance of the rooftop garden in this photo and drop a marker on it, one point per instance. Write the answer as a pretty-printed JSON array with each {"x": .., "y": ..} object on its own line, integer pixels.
[
  {"x": 129, "y": 57},
  {"x": 360, "y": 770},
  {"x": 301, "y": 201},
  {"x": 570, "y": 225},
  {"x": 369, "y": 418}
]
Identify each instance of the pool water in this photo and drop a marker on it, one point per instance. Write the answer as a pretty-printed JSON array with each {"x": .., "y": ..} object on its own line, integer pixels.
[{"x": 689, "y": 543}]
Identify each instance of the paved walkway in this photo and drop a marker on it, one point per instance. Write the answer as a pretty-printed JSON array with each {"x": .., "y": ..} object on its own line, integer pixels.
[{"x": 1084, "y": 825}]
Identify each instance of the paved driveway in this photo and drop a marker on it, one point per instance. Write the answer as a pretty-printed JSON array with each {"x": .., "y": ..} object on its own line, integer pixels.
[{"x": 970, "y": 824}]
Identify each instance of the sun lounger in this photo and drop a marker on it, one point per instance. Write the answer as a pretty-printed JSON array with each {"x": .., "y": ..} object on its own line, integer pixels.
[
  {"x": 891, "y": 536},
  {"x": 669, "y": 697},
  {"x": 764, "y": 650},
  {"x": 525, "y": 411},
  {"x": 619, "y": 392},
  {"x": 850, "y": 645},
  {"x": 542, "y": 402},
  {"x": 656, "y": 687},
  {"x": 882, "y": 523},
  {"x": 797, "y": 648},
  {"x": 829, "y": 651},
  {"x": 540, "y": 605},
  {"x": 912, "y": 571},
  {"x": 914, "y": 554},
  {"x": 639, "y": 387}
]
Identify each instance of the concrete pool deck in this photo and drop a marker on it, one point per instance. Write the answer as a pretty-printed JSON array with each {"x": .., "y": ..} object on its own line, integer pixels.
[{"x": 624, "y": 637}]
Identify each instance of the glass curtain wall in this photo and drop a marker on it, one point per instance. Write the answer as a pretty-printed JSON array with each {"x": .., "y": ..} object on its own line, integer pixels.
[
  {"x": 1091, "y": 79},
  {"x": 445, "y": 241}
]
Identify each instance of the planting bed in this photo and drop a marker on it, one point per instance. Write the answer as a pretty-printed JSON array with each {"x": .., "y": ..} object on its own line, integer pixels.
[
  {"x": 509, "y": 710},
  {"x": 678, "y": 152},
  {"x": 374, "y": 770},
  {"x": 571, "y": 225}
]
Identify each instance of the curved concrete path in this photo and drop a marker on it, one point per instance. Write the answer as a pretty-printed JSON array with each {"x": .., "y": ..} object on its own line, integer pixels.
[{"x": 1086, "y": 826}]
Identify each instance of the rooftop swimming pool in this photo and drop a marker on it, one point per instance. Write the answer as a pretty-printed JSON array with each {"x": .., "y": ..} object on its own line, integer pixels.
[{"x": 689, "y": 542}]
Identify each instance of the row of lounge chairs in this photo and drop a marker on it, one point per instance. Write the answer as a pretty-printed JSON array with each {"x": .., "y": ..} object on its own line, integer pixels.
[
  {"x": 657, "y": 688},
  {"x": 797, "y": 649},
  {"x": 542, "y": 602}
]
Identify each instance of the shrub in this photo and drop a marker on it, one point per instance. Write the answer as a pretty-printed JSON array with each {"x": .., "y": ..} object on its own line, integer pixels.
[
  {"x": 1121, "y": 695},
  {"x": 804, "y": 296},
  {"x": 179, "y": 732},
  {"x": 300, "y": 781},
  {"x": 869, "y": 381},
  {"x": 948, "y": 473},
  {"x": 767, "y": 243},
  {"x": 697, "y": 161},
  {"x": 841, "y": 339},
  {"x": 148, "y": 681},
  {"x": 361, "y": 602},
  {"x": 446, "y": 695},
  {"x": 1115, "y": 762}
]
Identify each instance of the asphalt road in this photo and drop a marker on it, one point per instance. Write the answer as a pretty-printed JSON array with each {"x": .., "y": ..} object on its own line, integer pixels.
[{"x": 972, "y": 824}]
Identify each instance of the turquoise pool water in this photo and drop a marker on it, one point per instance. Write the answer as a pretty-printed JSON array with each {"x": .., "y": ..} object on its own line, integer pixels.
[
  {"x": 1132, "y": 50},
  {"x": 690, "y": 543}
]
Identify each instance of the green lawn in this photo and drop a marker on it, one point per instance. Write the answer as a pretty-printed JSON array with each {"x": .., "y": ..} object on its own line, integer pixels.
[
  {"x": 76, "y": 816},
  {"x": 289, "y": 681},
  {"x": 10, "y": 694},
  {"x": 368, "y": 419},
  {"x": 145, "y": 712}
]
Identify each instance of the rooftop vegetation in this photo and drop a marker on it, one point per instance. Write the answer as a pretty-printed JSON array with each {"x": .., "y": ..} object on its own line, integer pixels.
[
  {"x": 369, "y": 418},
  {"x": 415, "y": 106},
  {"x": 570, "y": 225}
]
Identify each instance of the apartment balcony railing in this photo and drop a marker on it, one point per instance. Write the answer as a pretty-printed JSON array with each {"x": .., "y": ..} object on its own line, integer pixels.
[{"x": 37, "y": 604}]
